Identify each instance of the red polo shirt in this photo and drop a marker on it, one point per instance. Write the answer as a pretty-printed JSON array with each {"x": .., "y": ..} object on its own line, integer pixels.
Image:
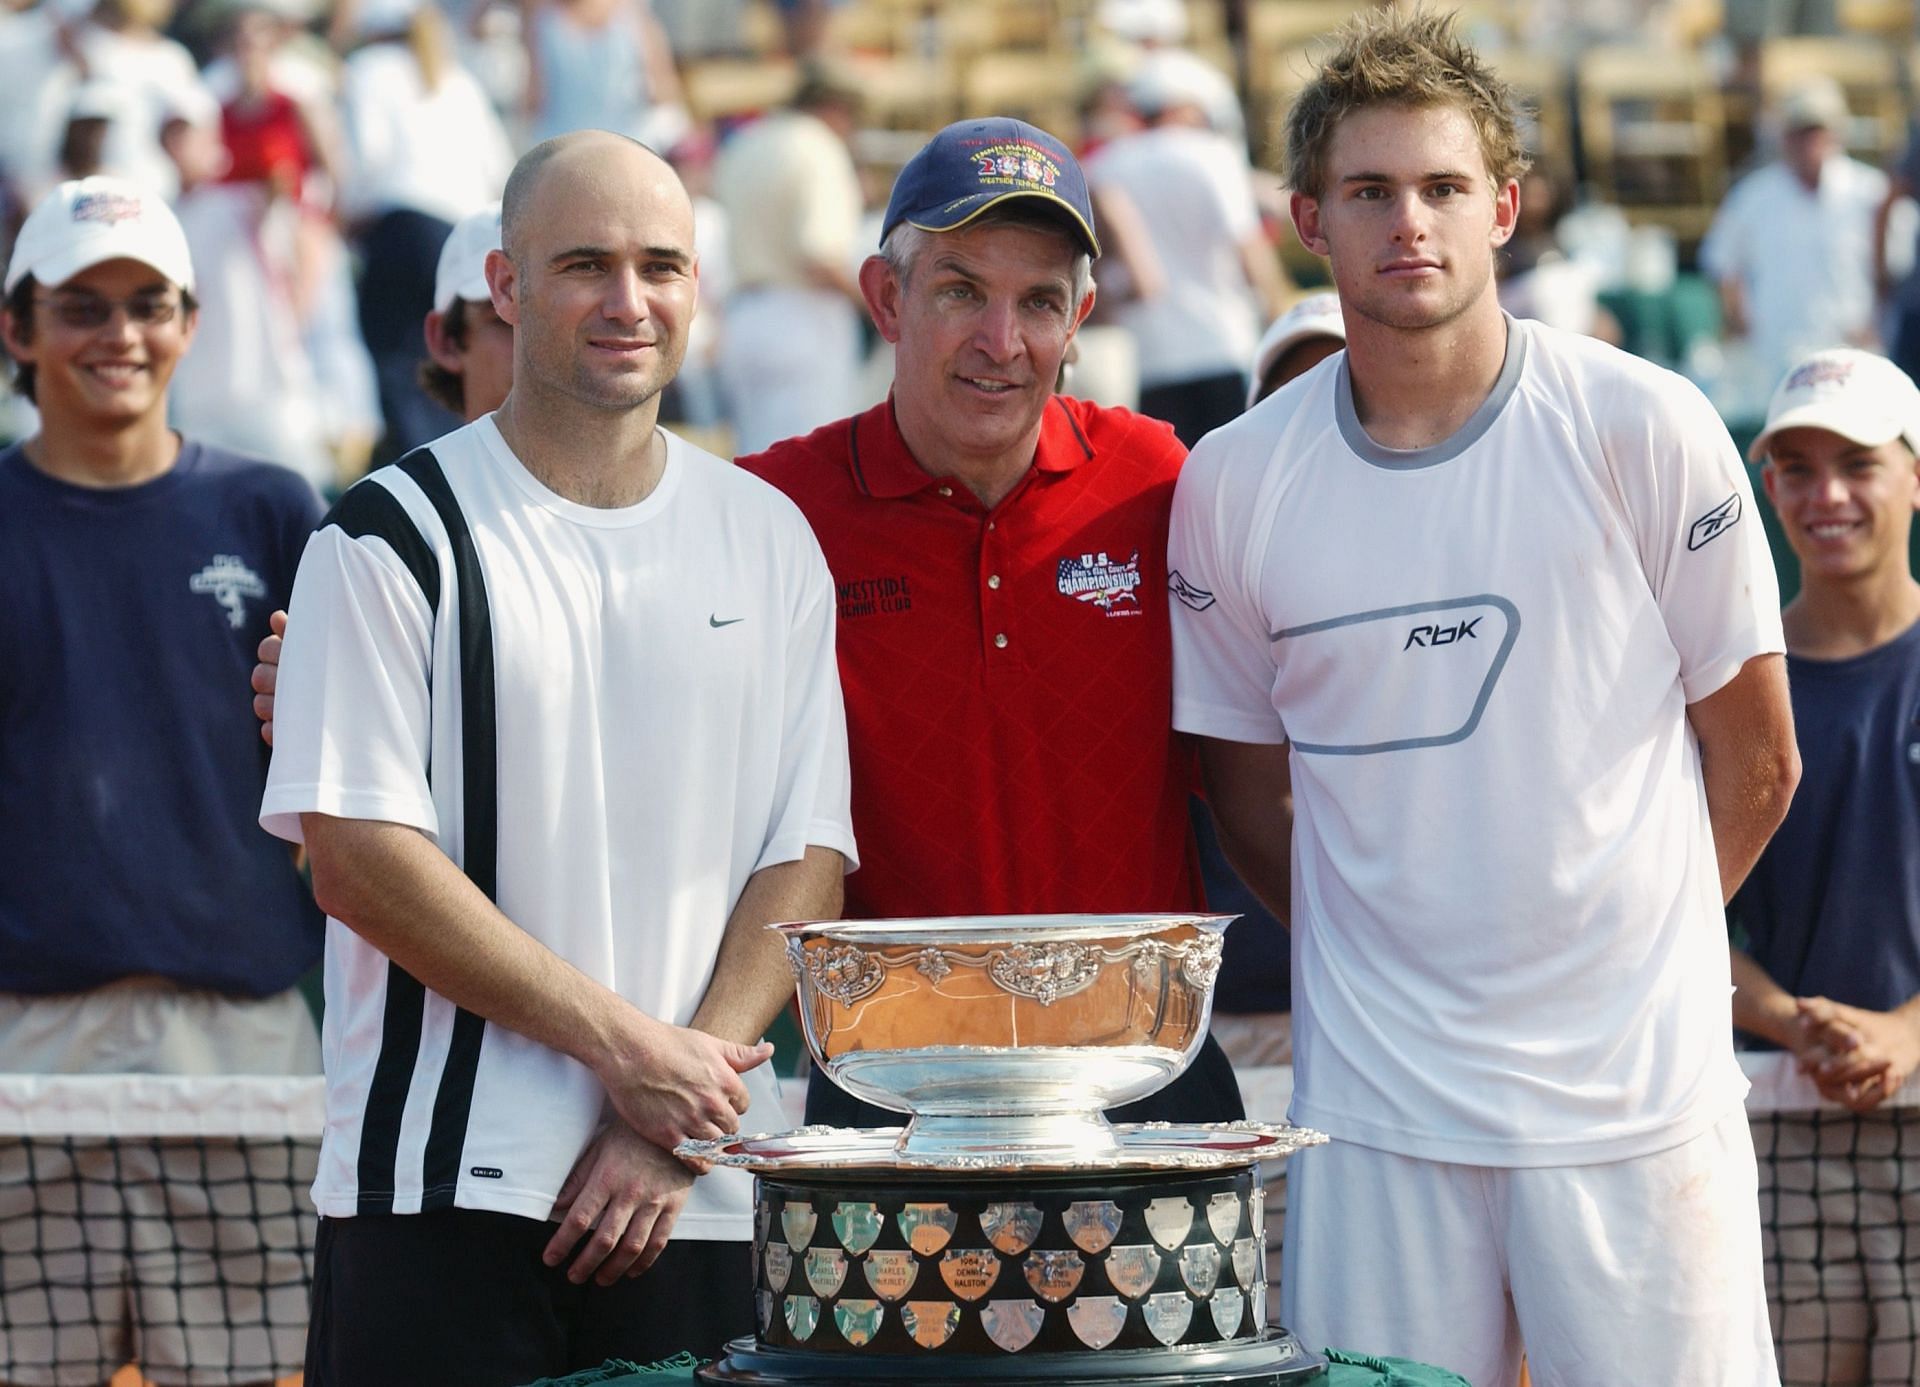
[{"x": 1008, "y": 672}]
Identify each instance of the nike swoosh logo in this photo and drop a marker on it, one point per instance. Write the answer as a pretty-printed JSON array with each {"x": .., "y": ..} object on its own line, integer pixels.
[{"x": 717, "y": 623}]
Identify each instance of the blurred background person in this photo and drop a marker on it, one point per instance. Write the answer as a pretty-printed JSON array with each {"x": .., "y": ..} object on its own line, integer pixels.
[
  {"x": 1900, "y": 292},
  {"x": 1791, "y": 246},
  {"x": 1294, "y": 343},
  {"x": 96, "y": 110},
  {"x": 1205, "y": 274},
  {"x": 33, "y": 50},
  {"x": 469, "y": 364},
  {"x": 122, "y": 44},
  {"x": 249, "y": 385},
  {"x": 1153, "y": 34},
  {"x": 695, "y": 398},
  {"x": 600, "y": 65},
  {"x": 427, "y": 148},
  {"x": 795, "y": 319},
  {"x": 1538, "y": 279}
]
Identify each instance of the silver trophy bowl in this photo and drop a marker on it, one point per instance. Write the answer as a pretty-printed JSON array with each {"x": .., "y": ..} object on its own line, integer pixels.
[{"x": 1005, "y": 1034}]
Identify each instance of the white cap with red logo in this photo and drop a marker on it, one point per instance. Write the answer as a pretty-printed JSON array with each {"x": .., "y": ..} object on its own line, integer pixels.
[
  {"x": 1864, "y": 398},
  {"x": 92, "y": 220}
]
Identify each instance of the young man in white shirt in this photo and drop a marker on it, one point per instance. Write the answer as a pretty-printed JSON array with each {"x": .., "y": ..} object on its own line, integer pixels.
[
  {"x": 560, "y": 724},
  {"x": 1491, "y": 603}
]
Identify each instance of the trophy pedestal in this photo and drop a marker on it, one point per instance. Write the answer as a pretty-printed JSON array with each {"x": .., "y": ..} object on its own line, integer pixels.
[
  {"x": 1011, "y": 1235},
  {"x": 1094, "y": 1277}
]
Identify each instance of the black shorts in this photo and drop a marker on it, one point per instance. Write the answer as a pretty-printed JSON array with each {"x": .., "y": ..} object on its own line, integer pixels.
[{"x": 461, "y": 1296}]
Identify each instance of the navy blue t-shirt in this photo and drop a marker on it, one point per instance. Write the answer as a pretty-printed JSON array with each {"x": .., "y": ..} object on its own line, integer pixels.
[
  {"x": 1833, "y": 907},
  {"x": 131, "y": 766}
]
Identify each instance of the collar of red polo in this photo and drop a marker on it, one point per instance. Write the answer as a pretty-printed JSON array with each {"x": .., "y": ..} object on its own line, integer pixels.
[{"x": 884, "y": 467}]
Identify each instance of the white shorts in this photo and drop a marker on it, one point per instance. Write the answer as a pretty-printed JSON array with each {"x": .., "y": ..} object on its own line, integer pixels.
[
  {"x": 190, "y": 1256},
  {"x": 1644, "y": 1271},
  {"x": 152, "y": 1026}
]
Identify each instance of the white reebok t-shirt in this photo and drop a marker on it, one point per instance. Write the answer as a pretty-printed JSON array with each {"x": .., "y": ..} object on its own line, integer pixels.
[
  {"x": 665, "y": 720},
  {"x": 1508, "y": 944}
]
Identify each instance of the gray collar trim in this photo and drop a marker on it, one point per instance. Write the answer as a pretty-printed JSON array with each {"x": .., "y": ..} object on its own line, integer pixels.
[{"x": 1469, "y": 433}]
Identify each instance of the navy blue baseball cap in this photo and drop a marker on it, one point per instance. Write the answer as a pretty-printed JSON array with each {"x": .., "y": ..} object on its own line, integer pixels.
[{"x": 976, "y": 164}]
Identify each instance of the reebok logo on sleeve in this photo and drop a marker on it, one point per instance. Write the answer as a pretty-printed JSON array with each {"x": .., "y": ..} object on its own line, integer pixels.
[
  {"x": 1197, "y": 598},
  {"x": 1715, "y": 522}
]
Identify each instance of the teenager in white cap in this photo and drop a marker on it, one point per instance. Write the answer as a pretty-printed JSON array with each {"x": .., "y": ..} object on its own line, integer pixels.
[
  {"x": 1294, "y": 343},
  {"x": 469, "y": 365},
  {"x": 1828, "y": 924},
  {"x": 146, "y": 925},
  {"x": 1831, "y": 969}
]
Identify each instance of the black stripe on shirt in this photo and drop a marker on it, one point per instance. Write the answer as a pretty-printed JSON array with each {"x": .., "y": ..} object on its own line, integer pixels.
[
  {"x": 387, "y": 1094},
  {"x": 370, "y": 509},
  {"x": 480, "y": 812}
]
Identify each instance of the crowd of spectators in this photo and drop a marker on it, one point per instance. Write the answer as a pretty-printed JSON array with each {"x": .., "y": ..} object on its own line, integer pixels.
[{"x": 317, "y": 154}]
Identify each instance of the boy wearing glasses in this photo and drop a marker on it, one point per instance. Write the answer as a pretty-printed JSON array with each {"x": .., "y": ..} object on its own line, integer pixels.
[{"x": 146, "y": 925}]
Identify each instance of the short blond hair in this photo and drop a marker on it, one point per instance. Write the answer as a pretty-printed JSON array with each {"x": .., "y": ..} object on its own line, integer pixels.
[{"x": 1415, "y": 59}]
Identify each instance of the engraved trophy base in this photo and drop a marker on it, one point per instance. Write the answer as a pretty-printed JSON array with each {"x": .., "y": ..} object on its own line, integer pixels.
[{"x": 1098, "y": 1278}]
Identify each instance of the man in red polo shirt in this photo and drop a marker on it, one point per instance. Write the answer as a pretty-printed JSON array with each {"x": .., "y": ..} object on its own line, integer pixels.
[{"x": 1000, "y": 557}]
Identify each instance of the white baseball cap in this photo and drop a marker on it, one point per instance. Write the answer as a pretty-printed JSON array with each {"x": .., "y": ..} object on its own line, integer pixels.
[
  {"x": 1864, "y": 398},
  {"x": 1814, "y": 103},
  {"x": 88, "y": 221},
  {"x": 1317, "y": 315},
  {"x": 1143, "y": 21},
  {"x": 462, "y": 271}
]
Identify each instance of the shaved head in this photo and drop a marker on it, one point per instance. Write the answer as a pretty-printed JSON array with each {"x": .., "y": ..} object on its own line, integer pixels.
[
  {"x": 596, "y": 272},
  {"x": 580, "y": 154}
]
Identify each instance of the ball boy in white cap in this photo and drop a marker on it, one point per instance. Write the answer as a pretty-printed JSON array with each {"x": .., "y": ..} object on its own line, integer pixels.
[
  {"x": 1832, "y": 918},
  {"x": 469, "y": 365},
  {"x": 146, "y": 925},
  {"x": 1828, "y": 924},
  {"x": 1309, "y": 332}
]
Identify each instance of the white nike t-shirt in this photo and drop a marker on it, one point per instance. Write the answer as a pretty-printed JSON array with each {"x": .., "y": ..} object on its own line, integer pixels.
[
  {"x": 1508, "y": 944},
  {"x": 664, "y": 715}
]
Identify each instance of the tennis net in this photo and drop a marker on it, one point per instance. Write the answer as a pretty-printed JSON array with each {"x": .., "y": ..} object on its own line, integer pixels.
[
  {"x": 166, "y": 1221},
  {"x": 155, "y": 1220}
]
